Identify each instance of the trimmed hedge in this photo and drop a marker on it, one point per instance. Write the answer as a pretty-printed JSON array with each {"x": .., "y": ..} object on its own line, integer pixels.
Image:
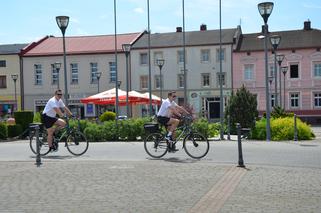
[
  {"x": 14, "y": 130},
  {"x": 3, "y": 130},
  {"x": 24, "y": 118}
]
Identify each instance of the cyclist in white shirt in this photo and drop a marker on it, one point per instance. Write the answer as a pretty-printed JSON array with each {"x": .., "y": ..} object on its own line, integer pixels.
[
  {"x": 164, "y": 115},
  {"x": 49, "y": 118}
]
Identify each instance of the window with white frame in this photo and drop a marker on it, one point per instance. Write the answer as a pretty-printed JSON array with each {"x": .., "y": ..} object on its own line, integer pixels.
[
  {"x": 54, "y": 75},
  {"x": 317, "y": 99},
  {"x": 93, "y": 72},
  {"x": 294, "y": 100},
  {"x": 206, "y": 80},
  {"x": 3, "y": 63},
  {"x": 157, "y": 55},
  {"x": 112, "y": 72},
  {"x": 294, "y": 70},
  {"x": 3, "y": 81},
  {"x": 205, "y": 56},
  {"x": 317, "y": 69},
  {"x": 144, "y": 82},
  {"x": 218, "y": 55},
  {"x": 180, "y": 80},
  {"x": 74, "y": 73},
  {"x": 180, "y": 57},
  {"x": 248, "y": 71},
  {"x": 38, "y": 74},
  {"x": 157, "y": 82},
  {"x": 219, "y": 78},
  {"x": 143, "y": 58}
]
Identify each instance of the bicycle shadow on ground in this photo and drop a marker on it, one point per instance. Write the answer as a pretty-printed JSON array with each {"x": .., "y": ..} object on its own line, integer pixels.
[
  {"x": 56, "y": 157},
  {"x": 175, "y": 160}
]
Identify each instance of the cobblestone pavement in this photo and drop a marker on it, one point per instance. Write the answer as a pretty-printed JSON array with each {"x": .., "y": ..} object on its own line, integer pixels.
[{"x": 156, "y": 186}]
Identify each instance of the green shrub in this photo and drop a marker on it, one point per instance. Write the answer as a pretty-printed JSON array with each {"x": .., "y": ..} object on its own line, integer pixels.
[
  {"x": 37, "y": 118},
  {"x": 24, "y": 118},
  {"x": 3, "y": 131},
  {"x": 282, "y": 128},
  {"x": 107, "y": 116},
  {"x": 14, "y": 130}
]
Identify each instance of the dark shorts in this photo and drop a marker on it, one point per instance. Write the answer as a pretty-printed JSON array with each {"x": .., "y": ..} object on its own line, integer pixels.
[
  {"x": 48, "y": 121},
  {"x": 163, "y": 120}
]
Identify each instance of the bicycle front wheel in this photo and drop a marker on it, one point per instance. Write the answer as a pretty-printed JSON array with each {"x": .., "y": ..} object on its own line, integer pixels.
[
  {"x": 43, "y": 143},
  {"x": 196, "y": 145},
  {"x": 155, "y": 145},
  {"x": 77, "y": 143}
]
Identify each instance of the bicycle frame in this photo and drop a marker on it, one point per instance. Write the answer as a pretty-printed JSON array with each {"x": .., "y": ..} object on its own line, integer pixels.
[{"x": 186, "y": 129}]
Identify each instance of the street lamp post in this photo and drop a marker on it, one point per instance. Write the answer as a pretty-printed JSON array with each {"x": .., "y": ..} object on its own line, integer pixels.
[
  {"x": 271, "y": 91},
  {"x": 126, "y": 49},
  {"x": 275, "y": 41},
  {"x": 284, "y": 70},
  {"x": 15, "y": 78},
  {"x": 279, "y": 59},
  {"x": 160, "y": 64},
  {"x": 57, "y": 66},
  {"x": 265, "y": 10},
  {"x": 98, "y": 75},
  {"x": 62, "y": 22}
]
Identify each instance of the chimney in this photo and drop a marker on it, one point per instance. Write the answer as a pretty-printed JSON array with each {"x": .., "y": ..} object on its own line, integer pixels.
[
  {"x": 307, "y": 25},
  {"x": 203, "y": 27},
  {"x": 178, "y": 29}
]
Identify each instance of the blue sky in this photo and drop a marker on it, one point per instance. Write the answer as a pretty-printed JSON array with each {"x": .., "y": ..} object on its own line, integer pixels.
[{"x": 24, "y": 21}]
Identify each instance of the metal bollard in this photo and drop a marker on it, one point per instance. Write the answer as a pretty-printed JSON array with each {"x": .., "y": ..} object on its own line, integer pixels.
[
  {"x": 239, "y": 142},
  {"x": 38, "y": 158},
  {"x": 228, "y": 128},
  {"x": 295, "y": 129}
]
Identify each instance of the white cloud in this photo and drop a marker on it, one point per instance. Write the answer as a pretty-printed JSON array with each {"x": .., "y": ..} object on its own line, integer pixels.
[
  {"x": 139, "y": 10},
  {"x": 311, "y": 6}
]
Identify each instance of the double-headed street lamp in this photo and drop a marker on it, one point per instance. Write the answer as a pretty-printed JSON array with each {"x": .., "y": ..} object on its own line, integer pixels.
[
  {"x": 275, "y": 41},
  {"x": 15, "y": 78},
  {"x": 284, "y": 70},
  {"x": 160, "y": 63},
  {"x": 265, "y": 10},
  {"x": 57, "y": 66},
  {"x": 279, "y": 59},
  {"x": 126, "y": 49},
  {"x": 62, "y": 22}
]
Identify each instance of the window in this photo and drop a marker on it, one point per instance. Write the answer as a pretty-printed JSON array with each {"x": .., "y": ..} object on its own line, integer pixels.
[
  {"x": 294, "y": 99},
  {"x": 143, "y": 59},
  {"x": 38, "y": 74},
  {"x": 220, "y": 79},
  {"x": 180, "y": 57},
  {"x": 74, "y": 73},
  {"x": 144, "y": 82},
  {"x": 180, "y": 78},
  {"x": 272, "y": 100},
  {"x": 248, "y": 71},
  {"x": 157, "y": 55},
  {"x": 218, "y": 54},
  {"x": 54, "y": 75},
  {"x": 157, "y": 82},
  {"x": 93, "y": 73},
  {"x": 294, "y": 71},
  {"x": 205, "y": 79},
  {"x": 3, "y": 81},
  {"x": 3, "y": 63},
  {"x": 112, "y": 72},
  {"x": 272, "y": 69},
  {"x": 205, "y": 55},
  {"x": 317, "y": 99},
  {"x": 317, "y": 69}
]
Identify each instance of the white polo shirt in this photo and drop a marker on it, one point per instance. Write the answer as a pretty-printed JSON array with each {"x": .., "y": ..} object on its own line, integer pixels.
[
  {"x": 51, "y": 104},
  {"x": 164, "y": 111}
]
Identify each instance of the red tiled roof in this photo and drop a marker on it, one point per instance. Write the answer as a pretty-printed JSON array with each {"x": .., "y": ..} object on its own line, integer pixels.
[{"x": 80, "y": 44}]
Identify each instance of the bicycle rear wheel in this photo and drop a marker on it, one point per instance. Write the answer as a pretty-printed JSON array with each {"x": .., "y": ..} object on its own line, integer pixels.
[
  {"x": 77, "y": 143},
  {"x": 44, "y": 147},
  {"x": 196, "y": 145},
  {"x": 155, "y": 145}
]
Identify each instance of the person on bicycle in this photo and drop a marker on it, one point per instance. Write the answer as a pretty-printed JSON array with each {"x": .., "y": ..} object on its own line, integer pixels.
[
  {"x": 165, "y": 115},
  {"x": 49, "y": 118}
]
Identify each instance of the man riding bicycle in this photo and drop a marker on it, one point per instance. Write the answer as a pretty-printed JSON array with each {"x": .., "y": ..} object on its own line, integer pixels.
[
  {"x": 165, "y": 116},
  {"x": 49, "y": 118}
]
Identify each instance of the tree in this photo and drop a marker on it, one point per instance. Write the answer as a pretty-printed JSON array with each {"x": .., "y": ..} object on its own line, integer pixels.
[{"x": 242, "y": 108}]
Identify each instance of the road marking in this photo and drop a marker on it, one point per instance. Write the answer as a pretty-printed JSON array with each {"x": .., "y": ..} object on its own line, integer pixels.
[{"x": 215, "y": 198}]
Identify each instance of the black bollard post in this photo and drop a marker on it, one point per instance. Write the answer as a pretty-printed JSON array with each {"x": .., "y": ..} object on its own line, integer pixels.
[
  {"x": 38, "y": 158},
  {"x": 239, "y": 141},
  {"x": 228, "y": 128},
  {"x": 295, "y": 129}
]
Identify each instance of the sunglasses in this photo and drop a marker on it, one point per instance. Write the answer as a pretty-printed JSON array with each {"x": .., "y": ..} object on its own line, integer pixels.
[{"x": 59, "y": 94}]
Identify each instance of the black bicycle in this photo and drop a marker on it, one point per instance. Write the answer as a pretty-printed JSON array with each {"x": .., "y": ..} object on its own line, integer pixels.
[
  {"x": 75, "y": 141},
  {"x": 195, "y": 144}
]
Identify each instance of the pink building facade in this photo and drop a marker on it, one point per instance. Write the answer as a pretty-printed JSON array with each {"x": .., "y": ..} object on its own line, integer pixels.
[{"x": 301, "y": 92}]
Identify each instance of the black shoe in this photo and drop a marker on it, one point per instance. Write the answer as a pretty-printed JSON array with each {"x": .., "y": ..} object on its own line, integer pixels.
[
  {"x": 172, "y": 147},
  {"x": 53, "y": 149}
]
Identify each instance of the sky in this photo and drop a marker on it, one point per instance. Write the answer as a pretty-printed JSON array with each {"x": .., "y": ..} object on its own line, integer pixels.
[{"x": 24, "y": 21}]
